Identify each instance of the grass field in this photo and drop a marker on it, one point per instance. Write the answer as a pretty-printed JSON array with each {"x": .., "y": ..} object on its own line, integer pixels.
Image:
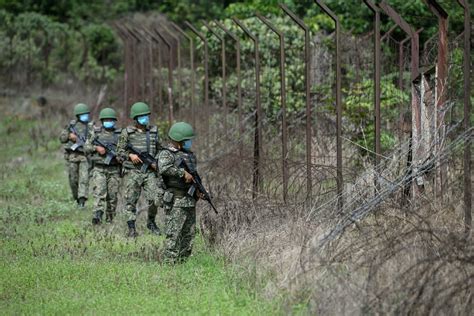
[{"x": 53, "y": 261}]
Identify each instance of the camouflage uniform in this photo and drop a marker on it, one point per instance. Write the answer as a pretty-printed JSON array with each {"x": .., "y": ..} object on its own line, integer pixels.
[
  {"x": 77, "y": 163},
  {"x": 180, "y": 207},
  {"x": 135, "y": 180},
  {"x": 105, "y": 178}
]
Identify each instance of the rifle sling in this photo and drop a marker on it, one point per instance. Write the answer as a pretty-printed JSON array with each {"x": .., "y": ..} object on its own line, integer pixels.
[{"x": 148, "y": 140}]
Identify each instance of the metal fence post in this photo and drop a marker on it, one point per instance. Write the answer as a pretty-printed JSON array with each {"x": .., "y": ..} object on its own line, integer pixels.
[
  {"x": 206, "y": 75},
  {"x": 284, "y": 137},
  {"x": 467, "y": 118},
  {"x": 239, "y": 83},
  {"x": 178, "y": 57},
  {"x": 307, "y": 58},
  {"x": 415, "y": 102},
  {"x": 223, "y": 61},
  {"x": 170, "y": 75},
  {"x": 377, "y": 40},
  {"x": 191, "y": 62},
  {"x": 340, "y": 183},
  {"x": 257, "y": 181}
]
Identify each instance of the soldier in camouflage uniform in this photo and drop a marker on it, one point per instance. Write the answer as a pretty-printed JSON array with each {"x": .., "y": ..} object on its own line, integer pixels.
[
  {"x": 74, "y": 136},
  {"x": 144, "y": 138},
  {"x": 180, "y": 207},
  {"x": 106, "y": 172}
]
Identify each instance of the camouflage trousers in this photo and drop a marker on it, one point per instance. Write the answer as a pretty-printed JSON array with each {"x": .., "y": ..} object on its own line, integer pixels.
[
  {"x": 180, "y": 229},
  {"x": 105, "y": 187},
  {"x": 78, "y": 178},
  {"x": 135, "y": 182}
]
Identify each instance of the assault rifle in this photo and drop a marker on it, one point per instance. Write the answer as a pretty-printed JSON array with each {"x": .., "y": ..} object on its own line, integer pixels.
[
  {"x": 110, "y": 152},
  {"x": 197, "y": 184},
  {"x": 80, "y": 141},
  {"x": 147, "y": 159}
]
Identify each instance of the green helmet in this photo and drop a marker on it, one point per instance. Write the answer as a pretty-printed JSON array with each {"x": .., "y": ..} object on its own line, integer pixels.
[
  {"x": 139, "y": 108},
  {"x": 107, "y": 113},
  {"x": 81, "y": 108},
  {"x": 181, "y": 131}
]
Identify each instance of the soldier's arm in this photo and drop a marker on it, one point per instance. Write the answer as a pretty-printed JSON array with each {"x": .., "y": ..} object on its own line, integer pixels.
[
  {"x": 64, "y": 136},
  {"x": 167, "y": 167},
  {"x": 122, "y": 152}
]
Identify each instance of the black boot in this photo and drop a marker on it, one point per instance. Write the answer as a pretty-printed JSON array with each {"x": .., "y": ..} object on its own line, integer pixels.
[
  {"x": 81, "y": 202},
  {"x": 151, "y": 225},
  {"x": 97, "y": 219},
  {"x": 132, "y": 232}
]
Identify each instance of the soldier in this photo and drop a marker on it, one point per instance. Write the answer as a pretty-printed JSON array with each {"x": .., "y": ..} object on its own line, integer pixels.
[
  {"x": 74, "y": 136},
  {"x": 144, "y": 139},
  {"x": 180, "y": 207},
  {"x": 101, "y": 146}
]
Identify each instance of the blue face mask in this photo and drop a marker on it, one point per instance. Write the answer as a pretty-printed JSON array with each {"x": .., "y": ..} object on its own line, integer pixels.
[
  {"x": 187, "y": 144},
  {"x": 143, "y": 120},
  {"x": 84, "y": 117},
  {"x": 108, "y": 124}
]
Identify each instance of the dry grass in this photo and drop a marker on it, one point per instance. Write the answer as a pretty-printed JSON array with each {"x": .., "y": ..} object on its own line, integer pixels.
[{"x": 377, "y": 256}]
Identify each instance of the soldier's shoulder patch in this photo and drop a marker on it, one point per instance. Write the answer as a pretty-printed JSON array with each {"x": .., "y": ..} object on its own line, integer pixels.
[
  {"x": 118, "y": 130},
  {"x": 72, "y": 122},
  {"x": 153, "y": 129},
  {"x": 97, "y": 129}
]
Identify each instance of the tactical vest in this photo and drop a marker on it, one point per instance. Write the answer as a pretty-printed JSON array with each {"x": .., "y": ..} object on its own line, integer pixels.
[
  {"x": 82, "y": 130},
  {"x": 108, "y": 137},
  {"x": 143, "y": 141},
  {"x": 180, "y": 156}
]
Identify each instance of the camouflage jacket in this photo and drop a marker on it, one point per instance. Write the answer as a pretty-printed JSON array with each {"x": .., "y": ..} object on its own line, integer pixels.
[
  {"x": 83, "y": 130},
  {"x": 105, "y": 136},
  {"x": 144, "y": 140},
  {"x": 172, "y": 172}
]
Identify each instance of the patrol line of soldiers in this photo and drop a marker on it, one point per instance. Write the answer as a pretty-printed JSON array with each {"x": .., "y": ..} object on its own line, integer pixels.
[{"x": 109, "y": 153}]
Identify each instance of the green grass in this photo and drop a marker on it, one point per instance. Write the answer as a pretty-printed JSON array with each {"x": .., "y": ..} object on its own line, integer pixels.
[{"x": 53, "y": 261}]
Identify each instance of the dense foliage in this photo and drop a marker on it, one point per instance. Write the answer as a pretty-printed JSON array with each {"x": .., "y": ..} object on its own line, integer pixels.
[{"x": 47, "y": 42}]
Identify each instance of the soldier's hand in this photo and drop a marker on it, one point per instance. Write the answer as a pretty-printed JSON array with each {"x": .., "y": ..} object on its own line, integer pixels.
[
  {"x": 135, "y": 159},
  {"x": 188, "y": 178},
  {"x": 72, "y": 137},
  {"x": 200, "y": 195},
  {"x": 153, "y": 166},
  {"x": 100, "y": 150}
]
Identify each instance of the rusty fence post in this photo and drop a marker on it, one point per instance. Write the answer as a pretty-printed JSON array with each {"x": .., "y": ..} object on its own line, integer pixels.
[
  {"x": 123, "y": 35},
  {"x": 441, "y": 84},
  {"x": 257, "y": 161},
  {"x": 170, "y": 74},
  {"x": 191, "y": 66},
  {"x": 206, "y": 77},
  {"x": 239, "y": 83},
  {"x": 140, "y": 59},
  {"x": 157, "y": 40},
  {"x": 415, "y": 102},
  {"x": 133, "y": 69},
  {"x": 141, "y": 31},
  {"x": 377, "y": 77},
  {"x": 178, "y": 57},
  {"x": 307, "y": 59},
  {"x": 401, "y": 56},
  {"x": 134, "y": 73},
  {"x": 467, "y": 118},
  {"x": 223, "y": 63},
  {"x": 284, "y": 129},
  {"x": 340, "y": 183}
]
